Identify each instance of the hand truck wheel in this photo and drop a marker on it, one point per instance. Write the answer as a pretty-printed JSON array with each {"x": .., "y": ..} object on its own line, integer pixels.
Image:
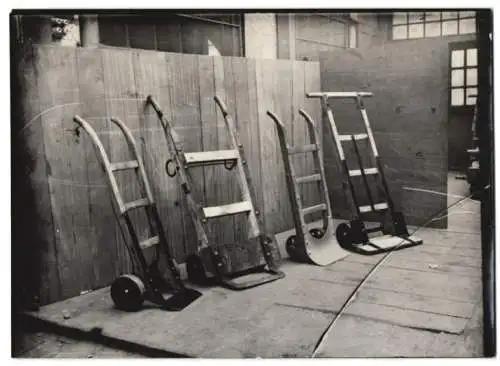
[
  {"x": 195, "y": 270},
  {"x": 291, "y": 248},
  {"x": 317, "y": 233},
  {"x": 343, "y": 234},
  {"x": 128, "y": 292}
]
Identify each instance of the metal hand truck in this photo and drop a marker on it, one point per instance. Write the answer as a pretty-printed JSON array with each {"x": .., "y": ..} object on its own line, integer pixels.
[
  {"x": 210, "y": 260},
  {"x": 354, "y": 236},
  {"x": 129, "y": 291},
  {"x": 318, "y": 245}
]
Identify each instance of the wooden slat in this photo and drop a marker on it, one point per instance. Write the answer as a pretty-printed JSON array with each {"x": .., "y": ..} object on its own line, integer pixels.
[
  {"x": 118, "y": 80},
  {"x": 211, "y": 157},
  {"x": 359, "y": 136},
  {"x": 135, "y": 204},
  {"x": 302, "y": 149},
  {"x": 246, "y": 122},
  {"x": 224, "y": 180},
  {"x": 186, "y": 119},
  {"x": 226, "y": 210},
  {"x": 377, "y": 206},
  {"x": 266, "y": 96},
  {"x": 209, "y": 135},
  {"x": 102, "y": 218},
  {"x": 312, "y": 209},
  {"x": 284, "y": 108},
  {"x": 308, "y": 179},
  {"x": 149, "y": 242},
  {"x": 123, "y": 165},
  {"x": 357, "y": 172}
]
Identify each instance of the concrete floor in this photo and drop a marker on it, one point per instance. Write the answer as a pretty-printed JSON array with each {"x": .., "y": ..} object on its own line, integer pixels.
[{"x": 420, "y": 302}]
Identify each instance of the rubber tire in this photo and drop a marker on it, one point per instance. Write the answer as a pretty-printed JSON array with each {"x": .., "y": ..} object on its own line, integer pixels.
[
  {"x": 317, "y": 233},
  {"x": 128, "y": 292},
  {"x": 291, "y": 249},
  {"x": 343, "y": 234},
  {"x": 195, "y": 270}
]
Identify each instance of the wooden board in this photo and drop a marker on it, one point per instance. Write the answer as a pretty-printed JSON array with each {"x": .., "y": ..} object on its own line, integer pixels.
[
  {"x": 186, "y": 121},
  {"x": 268, "y": 142},
  {"x": 101, "y": 239},
  {"x": 432, "y": 284},
  {"x": 407, "y": 317},
  {"x": 58, "y": 88},
  {"x": 223, "y": 228},
  {"x": 151, "y": 80}
]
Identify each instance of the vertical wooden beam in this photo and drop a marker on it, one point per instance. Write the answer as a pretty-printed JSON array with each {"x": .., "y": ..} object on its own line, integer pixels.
[{"x": 89, "y": 30}]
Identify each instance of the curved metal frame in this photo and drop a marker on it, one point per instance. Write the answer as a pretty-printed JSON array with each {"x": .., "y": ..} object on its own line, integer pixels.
[
  {"x": 182, "y": 296},
  {"x": 322, "y": 250}
]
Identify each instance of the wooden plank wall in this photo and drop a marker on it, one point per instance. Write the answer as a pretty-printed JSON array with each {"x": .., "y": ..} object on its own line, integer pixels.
[
  {"x": 409, "y": 116},
  {"x": 83, "y": 243}
]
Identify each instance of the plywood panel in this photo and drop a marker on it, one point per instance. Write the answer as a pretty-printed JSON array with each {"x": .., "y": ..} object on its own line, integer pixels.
[{"x": 58, "y": 89}]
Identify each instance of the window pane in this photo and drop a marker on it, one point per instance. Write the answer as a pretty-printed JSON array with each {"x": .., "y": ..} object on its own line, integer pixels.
[
  {"x": 470, "y": 99},
  {"x": 450, "y": 15},
  {"x": 450, "y": 27},
  {"x": 416, "y": 17},
  {"x": 467, "y": 26},
  {"x": 471, "y": 77},
  {"x": 432, "y": 16},
  {"x": 416, "y": 30},
  {"x": 432, "y": 29},
  {"x": 457, "y": 97},
  {"x": 472, "y": 57},
  {"x": 399, "y": 32},
  {"x": 399, "y": 18},
  {"x": 457, "y": 77},
  {"x": 457, "y": 58},
  {"x": 467, "y": 14}
]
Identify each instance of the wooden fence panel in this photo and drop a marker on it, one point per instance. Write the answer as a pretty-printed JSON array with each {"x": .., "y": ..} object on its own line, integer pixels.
[{"x": 85, "y": 243}]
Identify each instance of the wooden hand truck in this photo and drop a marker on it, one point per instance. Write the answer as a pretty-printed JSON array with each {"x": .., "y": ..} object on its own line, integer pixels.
[
  {"x": 318, "y": 245},
  {"x": 129, "y": 291},
  {"x": 209, "y": 261},
  {"x": 354, "y": 236}
]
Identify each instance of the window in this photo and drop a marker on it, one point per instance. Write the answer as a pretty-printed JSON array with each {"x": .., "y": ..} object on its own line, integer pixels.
[
  {"x": 204, "y": 34},
  {"x": 463, "y": 79},
  {"x": 432, "y": 24}
]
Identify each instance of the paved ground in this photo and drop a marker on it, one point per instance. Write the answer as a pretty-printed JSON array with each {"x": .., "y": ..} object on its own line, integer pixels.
[{"x": 420, "y": 302}]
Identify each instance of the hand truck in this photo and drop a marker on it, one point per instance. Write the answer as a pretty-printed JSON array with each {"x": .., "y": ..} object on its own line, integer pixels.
[
  {"x": 210, "y": 260},
  {"x": 318, "y": 245},
  {"x": 129, "y": 291},
  {"x": 354, "y": 236}
]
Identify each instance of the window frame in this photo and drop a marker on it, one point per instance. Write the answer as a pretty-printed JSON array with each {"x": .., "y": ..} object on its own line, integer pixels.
[
  {"x": 456, "y": 46},
  {"x": 424, "y": 22}
]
